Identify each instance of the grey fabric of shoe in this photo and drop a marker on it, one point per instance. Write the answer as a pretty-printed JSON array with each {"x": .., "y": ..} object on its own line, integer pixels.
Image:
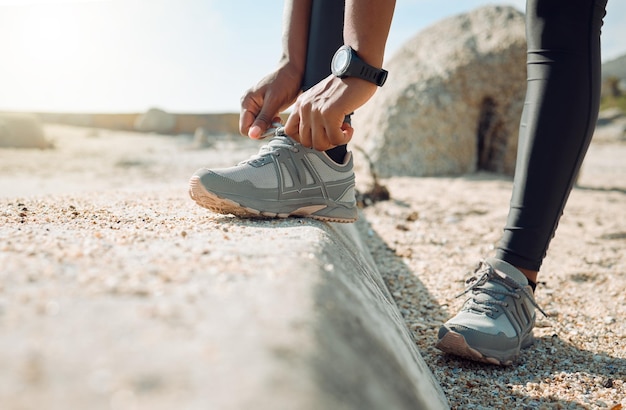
[
  {"x": 497, "y": 319},
  {"x": 284, "y": 179}
]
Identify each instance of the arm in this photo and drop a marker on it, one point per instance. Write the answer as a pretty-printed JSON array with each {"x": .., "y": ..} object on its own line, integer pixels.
[
  {"x": 317, "y": 119},
  {"x": 296, "y": 19},
  {"x": 279, "y": 89},
  {"x": 366, "y": 27}
]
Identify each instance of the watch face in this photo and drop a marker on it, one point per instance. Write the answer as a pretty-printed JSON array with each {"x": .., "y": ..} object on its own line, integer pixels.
[{"x": 341, "y": 60}]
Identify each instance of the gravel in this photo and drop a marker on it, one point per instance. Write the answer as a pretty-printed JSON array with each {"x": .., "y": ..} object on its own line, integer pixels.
[{"x": 426, "y": 241}]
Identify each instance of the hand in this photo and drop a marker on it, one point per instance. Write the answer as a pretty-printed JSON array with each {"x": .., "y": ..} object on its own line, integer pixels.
[
  {"x": 262, "y": 103},
  {"x": 317, "y": 120}
]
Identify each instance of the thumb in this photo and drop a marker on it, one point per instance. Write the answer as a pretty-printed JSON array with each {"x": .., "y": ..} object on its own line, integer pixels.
[
  {"x": 347, "y": 131},
  {"x": 346, "y": 134},
  {"x": 261, "y": 123}
]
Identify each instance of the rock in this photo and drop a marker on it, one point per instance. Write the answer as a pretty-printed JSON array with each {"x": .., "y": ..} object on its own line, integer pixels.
[
  {"x": 22, "y": 131},
  {"x": 453, "y": 100},
  {"x": 156, "y": 120},
  {"x": 611, "y": 126},
  {"x": 201, "y": 138}
]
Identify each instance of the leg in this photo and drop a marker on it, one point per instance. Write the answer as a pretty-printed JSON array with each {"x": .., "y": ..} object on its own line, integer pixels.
[
  {"x": 325, "y": 37},
  {"x": 557, "y": 123}
]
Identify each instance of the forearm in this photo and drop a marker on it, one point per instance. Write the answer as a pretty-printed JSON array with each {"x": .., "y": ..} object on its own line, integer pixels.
[
  {"x": 296, "y": 17},
  {"x": 366, "y": 27}
]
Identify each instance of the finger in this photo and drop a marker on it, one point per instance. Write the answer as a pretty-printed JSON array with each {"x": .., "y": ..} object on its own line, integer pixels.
[
  {"x": 251, "y": 104},
  {"x": 258, "y": 111},
  {"x": 331, "y": 134},
  {"x": 246, "y": 118},
  {"x": 261, "y": 123},
  {"x": 306, "y": 137},
  {"x": 348, "y": 132},
  {"x": 292, "y": 125},
  {"x": 319, "y": 134}
]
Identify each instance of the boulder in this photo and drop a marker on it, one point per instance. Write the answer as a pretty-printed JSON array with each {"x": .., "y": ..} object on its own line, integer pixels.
[
  {"x": 202, "y": 139},
  {"x": 453, "y": 99},
  {"x": 22, "y": 131},
  {"x": 156, "y": 120},
  {"x": 611, "y": 126}
]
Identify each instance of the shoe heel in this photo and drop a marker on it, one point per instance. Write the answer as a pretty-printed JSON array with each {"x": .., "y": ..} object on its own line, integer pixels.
[{"x": 528, "y": 341}]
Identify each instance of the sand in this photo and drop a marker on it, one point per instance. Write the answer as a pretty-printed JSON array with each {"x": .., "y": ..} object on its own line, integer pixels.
[{"x": 426, "y": 240}]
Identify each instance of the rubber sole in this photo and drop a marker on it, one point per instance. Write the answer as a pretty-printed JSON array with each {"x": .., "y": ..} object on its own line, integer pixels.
[
  {"x": 213, "y": 202},
  {"x": 454, "y": 343}
]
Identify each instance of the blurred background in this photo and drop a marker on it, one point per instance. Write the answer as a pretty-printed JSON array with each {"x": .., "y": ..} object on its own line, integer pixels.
[{"x": 185, "y": 56}]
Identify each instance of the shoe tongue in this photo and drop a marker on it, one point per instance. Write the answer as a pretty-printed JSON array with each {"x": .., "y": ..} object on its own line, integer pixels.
[
  {"x": 509, "y": 270},
  {"x": 497, "y": 284},
  {"x": 281, "y": 139}
]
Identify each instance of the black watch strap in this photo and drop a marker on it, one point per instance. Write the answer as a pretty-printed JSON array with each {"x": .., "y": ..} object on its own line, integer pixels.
[{"x": 374, "y": 75}]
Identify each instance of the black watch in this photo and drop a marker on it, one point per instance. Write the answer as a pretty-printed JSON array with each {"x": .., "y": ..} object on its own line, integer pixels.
[{"x": 346, "y": 63}]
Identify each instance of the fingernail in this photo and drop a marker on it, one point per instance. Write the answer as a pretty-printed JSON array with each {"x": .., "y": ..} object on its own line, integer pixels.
[{"x": 254, "y": 132}]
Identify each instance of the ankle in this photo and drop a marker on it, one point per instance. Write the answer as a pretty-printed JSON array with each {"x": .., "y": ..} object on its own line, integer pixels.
[{"x": 531, "y": 275}]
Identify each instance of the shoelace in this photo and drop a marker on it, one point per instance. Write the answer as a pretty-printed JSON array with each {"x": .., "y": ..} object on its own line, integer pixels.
[
  {"x": 280, "y": 140},
  {"x": 512, "y": 289},
  {"x": 272, "y": 130}
]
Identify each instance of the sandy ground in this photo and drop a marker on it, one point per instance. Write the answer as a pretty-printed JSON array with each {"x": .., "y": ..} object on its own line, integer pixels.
[{"x": 426, "y": 240}]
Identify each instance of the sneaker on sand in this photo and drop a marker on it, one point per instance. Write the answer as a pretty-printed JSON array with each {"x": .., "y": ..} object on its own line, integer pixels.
[
  {"x": 496, "y": 321},
  {"x": 284, "y": 179}
]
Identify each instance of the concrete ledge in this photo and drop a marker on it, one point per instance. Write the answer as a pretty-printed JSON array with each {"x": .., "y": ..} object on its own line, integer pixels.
[
  {"x": 367, "y": 357},
  {"x": 132, "y": 301}
]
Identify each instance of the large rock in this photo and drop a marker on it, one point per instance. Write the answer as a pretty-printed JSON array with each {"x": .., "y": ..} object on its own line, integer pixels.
[
  {"x": 22, "y": 131},
  {"x": 156, "y": 120},
  {"x": 453, "y": 100}
]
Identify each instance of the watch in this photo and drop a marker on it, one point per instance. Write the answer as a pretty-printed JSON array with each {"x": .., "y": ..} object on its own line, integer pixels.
[{"x": 346, "y": 63}]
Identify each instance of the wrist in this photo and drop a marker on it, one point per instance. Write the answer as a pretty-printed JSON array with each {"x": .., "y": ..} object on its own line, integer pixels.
[{"x": 294, "y": 66}]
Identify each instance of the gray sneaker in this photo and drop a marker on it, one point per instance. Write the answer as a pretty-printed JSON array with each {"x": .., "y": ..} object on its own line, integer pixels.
[
  {"x": 283, "y": 179},
  {"x": 496, "y": 321}
]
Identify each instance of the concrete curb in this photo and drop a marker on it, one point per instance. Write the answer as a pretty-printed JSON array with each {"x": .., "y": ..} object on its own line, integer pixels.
[
  {"x": 325, "y": 334},
  {"x": 364, "y": 342},
  {"x": 131, "y": 301}
]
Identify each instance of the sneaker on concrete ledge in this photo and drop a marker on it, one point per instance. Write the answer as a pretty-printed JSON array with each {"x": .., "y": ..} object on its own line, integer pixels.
[
  {"x": 284, "y": 179},
  {"x": 497, "y": 319}
]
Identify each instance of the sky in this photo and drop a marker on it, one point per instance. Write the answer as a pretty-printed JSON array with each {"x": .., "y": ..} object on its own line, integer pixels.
[{"x": 177, "y": 55}]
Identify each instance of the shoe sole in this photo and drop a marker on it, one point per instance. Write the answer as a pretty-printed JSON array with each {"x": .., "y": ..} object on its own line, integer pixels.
[
  {"x": 454, "y": 343},
  {"x": 210, "y": 201}
]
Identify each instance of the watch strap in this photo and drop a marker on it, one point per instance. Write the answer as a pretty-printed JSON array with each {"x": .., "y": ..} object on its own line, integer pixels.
[{"x": 374, "y": 75}]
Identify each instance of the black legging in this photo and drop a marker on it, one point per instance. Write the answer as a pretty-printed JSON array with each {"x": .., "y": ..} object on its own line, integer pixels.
[
  {"x": 325, "y": 37},
  {"x": 558, "y": 120},
  {"x": 559, "y": 116}
]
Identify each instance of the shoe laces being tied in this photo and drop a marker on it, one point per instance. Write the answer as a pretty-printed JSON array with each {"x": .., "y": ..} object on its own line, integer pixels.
[
  {"x": 493, "y": 295},
  {"x": 280, "y": 140}
]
